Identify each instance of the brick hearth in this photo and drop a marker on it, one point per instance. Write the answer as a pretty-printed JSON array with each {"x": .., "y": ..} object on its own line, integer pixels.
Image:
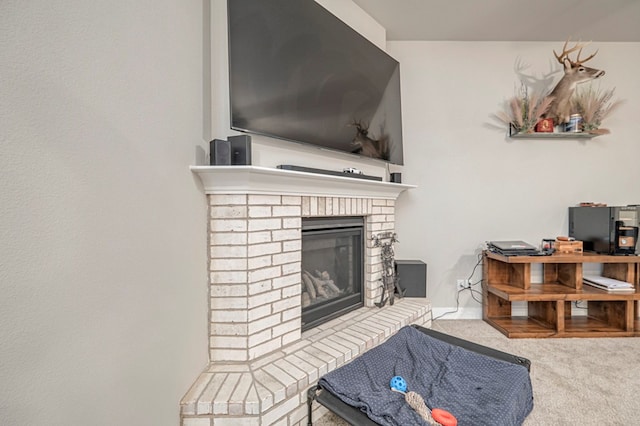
[{"x": 260, "y": 362}]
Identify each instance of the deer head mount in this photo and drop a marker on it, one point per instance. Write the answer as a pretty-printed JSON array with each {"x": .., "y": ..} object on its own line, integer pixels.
[
  {"x": 367, "y": 146},
  {"x": 574, "y": 73}
]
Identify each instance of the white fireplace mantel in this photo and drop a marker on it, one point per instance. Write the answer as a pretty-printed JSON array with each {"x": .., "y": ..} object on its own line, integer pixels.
[
  {"x": 256, "y": 292},
  {"x": 264, "y": 180}
]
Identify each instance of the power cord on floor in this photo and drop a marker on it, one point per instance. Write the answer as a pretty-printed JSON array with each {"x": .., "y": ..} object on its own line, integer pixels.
[
  {"x": 577, "y": 305},
  {"x": 471, "y": 289},
  {"x": 449, "y": 312}
]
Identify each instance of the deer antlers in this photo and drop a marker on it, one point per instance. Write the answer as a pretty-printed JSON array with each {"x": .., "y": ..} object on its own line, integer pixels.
[
  {"x": 565, "y": 53},
  {"x": 361, "y": 127},
  {"x": 561, "y": 107}
]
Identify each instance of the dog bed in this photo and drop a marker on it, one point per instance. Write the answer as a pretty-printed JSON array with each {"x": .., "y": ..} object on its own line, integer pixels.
[{"x": 477, "y": 384}]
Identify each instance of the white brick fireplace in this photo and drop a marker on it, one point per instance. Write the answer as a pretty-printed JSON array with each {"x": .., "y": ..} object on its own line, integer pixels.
[{"x": 260, "y": 361}]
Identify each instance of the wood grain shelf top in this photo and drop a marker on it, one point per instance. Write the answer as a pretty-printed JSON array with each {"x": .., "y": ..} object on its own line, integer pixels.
[
  {"x": 519, "y": 327},
  {"x": 554, "y": 291},
  {"x": 565, "y": 258}
]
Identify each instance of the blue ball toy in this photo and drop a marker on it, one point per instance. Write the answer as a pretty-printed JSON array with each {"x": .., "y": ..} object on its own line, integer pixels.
[{"x": 398, "y": 383}]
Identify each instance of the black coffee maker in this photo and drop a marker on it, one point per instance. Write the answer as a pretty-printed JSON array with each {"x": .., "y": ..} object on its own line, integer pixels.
[
  {"x": 606, "y": 229},
  {"x": 626, "y": 238}
]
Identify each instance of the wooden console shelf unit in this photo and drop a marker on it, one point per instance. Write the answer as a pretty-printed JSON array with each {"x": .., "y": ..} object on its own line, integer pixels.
[{"x": 507, "y": 279}]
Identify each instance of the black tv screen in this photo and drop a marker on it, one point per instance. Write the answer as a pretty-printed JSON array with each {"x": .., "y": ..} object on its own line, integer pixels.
[{"x": 299, "y": 73}]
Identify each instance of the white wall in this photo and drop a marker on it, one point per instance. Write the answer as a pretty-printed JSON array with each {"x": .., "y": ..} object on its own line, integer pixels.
[
  {"x": 104, "y": 105},
  {"x": 474, "y": 183},
  {"x": 352, "y": 15},
  {"x": 103, "y": 282}
]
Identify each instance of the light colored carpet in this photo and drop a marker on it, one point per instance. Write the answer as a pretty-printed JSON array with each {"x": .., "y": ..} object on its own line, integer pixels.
[{"x": 590, "y": 381}]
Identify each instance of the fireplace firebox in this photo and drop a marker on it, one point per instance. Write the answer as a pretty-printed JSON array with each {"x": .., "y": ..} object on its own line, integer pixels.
[{"x": 332, "y": 268}]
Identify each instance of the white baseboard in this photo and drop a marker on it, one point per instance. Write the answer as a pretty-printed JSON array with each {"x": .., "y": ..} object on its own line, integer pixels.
[
  {"x": 518, "y": 309},
  {"x": 462, "y": 313}
]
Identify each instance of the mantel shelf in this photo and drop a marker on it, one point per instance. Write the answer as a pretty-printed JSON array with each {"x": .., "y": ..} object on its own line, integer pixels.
[{"x": 264, "y": 180}]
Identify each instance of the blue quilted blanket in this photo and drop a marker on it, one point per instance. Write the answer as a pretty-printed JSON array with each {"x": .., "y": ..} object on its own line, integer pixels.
[{"x": 476, "y": 389}]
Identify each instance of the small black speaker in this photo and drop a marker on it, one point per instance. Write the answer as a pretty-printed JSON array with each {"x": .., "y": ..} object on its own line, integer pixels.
[
  {"x": 219, "y": 152},
  {"x": 396, "y": 177},
  {"x": 412, "y": 277},
  {"x": 240, "y": 150}
]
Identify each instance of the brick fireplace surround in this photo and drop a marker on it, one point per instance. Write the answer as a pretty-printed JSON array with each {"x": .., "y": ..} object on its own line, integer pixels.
[{"x": 261, "y": 363}]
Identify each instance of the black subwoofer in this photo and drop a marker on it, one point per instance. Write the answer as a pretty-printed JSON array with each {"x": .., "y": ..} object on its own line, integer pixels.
[{"x": 412, "y": 276}]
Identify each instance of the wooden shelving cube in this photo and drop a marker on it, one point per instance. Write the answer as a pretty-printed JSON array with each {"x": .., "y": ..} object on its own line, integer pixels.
[{"x": 507, "y": 279}]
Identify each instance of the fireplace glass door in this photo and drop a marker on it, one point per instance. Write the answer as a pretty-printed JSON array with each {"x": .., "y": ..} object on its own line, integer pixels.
[{"x": 332, "y": 268}]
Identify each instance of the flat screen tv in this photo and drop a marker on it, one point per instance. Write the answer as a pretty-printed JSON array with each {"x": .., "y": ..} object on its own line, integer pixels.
[{"x": 298, "y": 73}]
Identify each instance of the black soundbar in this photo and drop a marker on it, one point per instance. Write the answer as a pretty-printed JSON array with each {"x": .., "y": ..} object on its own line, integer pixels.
[{"x": 327, "y": 172}]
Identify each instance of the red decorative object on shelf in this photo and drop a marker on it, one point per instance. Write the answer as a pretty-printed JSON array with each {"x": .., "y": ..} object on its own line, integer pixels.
[{"x": 545, "y": 125}]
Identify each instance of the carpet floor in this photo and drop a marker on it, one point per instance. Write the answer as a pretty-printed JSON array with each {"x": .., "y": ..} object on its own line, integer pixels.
[{"x": 576, "y": 381}]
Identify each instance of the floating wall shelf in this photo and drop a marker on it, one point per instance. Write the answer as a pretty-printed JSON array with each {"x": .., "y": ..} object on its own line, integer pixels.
[
  {"x": 542, "y": 135},
  {"x": 552, "y": 136}
]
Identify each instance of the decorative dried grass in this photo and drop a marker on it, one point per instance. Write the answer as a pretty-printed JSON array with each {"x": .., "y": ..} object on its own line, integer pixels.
[
  {"x": 516, "y": 111},
  {"x": 524, "y": 111},
  {"x": 542, "y": 108},
  {"x": 595, "y": 105}
]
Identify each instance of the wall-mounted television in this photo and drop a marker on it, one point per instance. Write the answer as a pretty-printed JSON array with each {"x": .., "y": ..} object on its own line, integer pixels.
[{"x": 299, "y": 73}]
